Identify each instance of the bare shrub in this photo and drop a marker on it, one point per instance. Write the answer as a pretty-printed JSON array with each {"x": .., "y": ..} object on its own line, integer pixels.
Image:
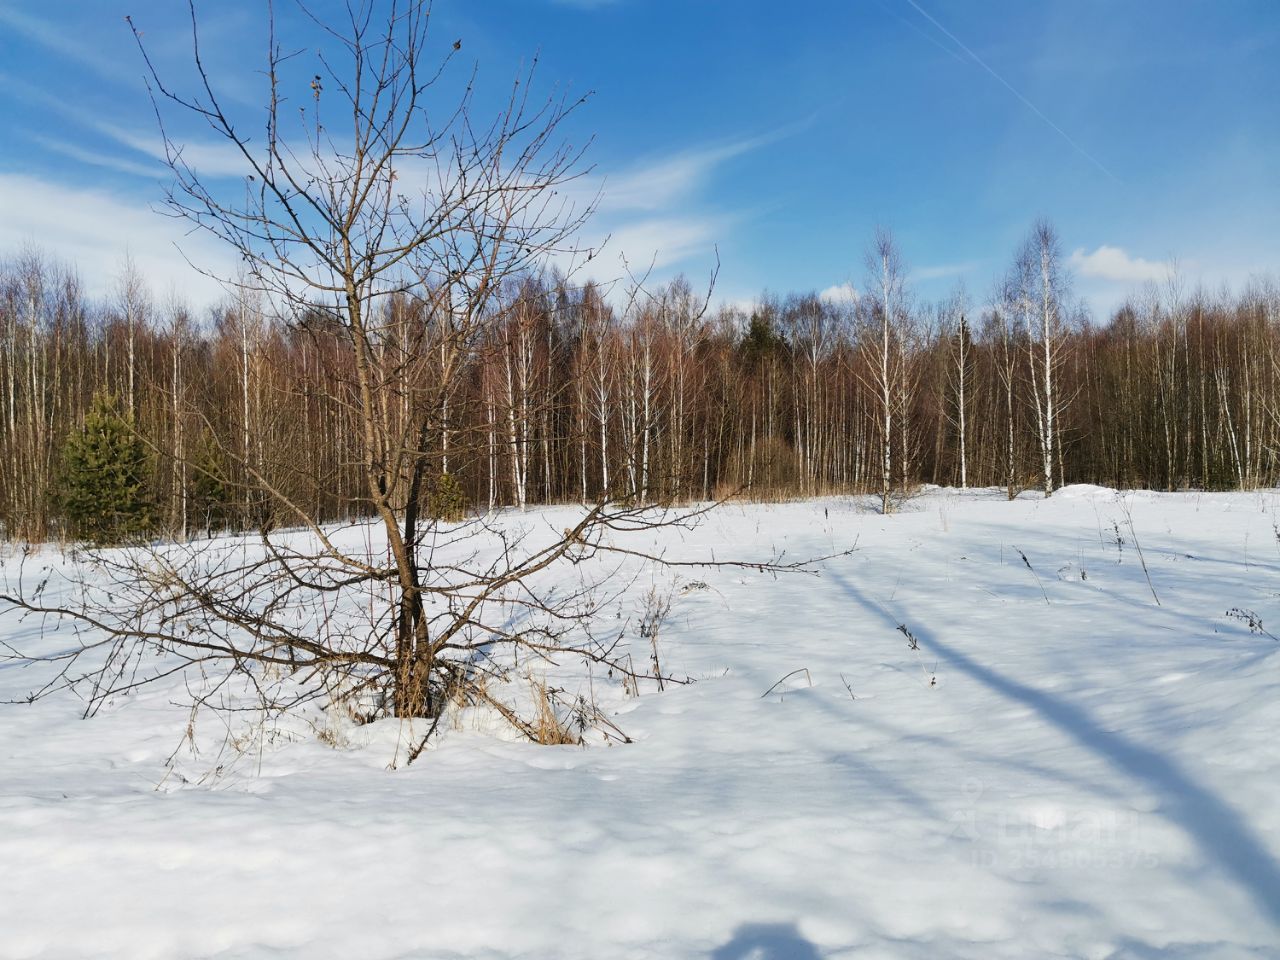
[{"x": 657, "y": 604}]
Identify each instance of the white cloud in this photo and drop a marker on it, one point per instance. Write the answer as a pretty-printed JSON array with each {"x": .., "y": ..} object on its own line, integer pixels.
[
  {"x": 664, "y": 181},
  {"x": 1112, "y": 263},
  {"x": 208, "y": 157},
  {"x": 98, "y": 159},
  {"x": 93, "y": 231},
  {"x": 218, "y": 158},
  {"x": 651, "y": 214},
  {"x": 60, "y": 41},
  {"x": 661, "y": 242},
  {"x": 943, "y": 270},
  {"x": 840, "y": 293},
  {"x": 746, "y": 305}
]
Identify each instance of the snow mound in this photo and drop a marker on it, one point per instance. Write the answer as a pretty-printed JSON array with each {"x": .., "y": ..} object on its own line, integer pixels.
[{"x": 1085, "y": 491}]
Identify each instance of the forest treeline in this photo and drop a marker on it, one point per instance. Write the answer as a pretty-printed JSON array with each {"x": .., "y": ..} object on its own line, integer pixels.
[{"x": 574, "y": 394}]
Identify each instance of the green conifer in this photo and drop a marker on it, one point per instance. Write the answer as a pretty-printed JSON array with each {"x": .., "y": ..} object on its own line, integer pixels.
[
  {"x": 211, "y": 496},
  {"x": 105, "y": 471},
  {"x": 446, "y": 500}
]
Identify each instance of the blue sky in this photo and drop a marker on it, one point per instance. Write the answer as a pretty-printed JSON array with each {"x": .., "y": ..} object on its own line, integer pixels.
[{"x": 779, "y": 134}]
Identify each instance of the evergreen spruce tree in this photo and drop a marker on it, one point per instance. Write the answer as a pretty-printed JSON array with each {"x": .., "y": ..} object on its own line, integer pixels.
[
  {"x": 104, "y": 477},
  {"x": 210, "y": 496},
  {"x": 447, "y": 501}
]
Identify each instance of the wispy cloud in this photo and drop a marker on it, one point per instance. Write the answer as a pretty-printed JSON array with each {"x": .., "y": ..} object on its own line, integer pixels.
[
  {"x": 662, "y": 242},
  {"x": 94, "y": 230},
  {"x": 210, "y": 158},
  {"x": 57, "y": 39},
  {"x": 207, "y": 158},
  {"x": 1113, "y": 263},
  {"x": 656, "y": 213},
  {"x": 942, "y": 271},
  {"x": 96, "y": 158},
  {"x": 659, "y": 182}
]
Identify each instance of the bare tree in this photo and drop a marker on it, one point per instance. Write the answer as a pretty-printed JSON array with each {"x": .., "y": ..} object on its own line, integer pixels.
[
  {"x": 1040, "y": 282},
  {"x": 885, "y": 326},
  {"x": 596, "y": 377},
  {"x": 135, "y": 306},
  {"x": 42, "y": 318},
  {"x": 362, "y": 202},
  {"x": 1002, "y": 335},
  {"x": 959, "y": 374}
]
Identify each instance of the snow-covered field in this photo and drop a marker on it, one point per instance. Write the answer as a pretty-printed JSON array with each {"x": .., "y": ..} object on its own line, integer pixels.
[{"x": 1063, "y": 768}]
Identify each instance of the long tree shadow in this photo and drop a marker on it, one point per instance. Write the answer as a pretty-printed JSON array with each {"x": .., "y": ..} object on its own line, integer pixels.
[
  {"x": 767, "y": 941},
  {"x": 1216, "y": 828}
]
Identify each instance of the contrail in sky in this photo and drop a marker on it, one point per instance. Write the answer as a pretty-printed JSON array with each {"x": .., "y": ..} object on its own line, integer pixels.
[{"x": 1008, "y": 86}]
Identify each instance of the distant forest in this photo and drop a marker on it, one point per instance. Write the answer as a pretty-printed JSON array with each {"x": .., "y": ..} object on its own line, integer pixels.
[{"x": 574, "y": 392}]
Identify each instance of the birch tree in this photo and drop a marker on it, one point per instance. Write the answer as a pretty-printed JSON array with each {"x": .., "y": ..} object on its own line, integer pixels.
[
  {"x": 1041, "y": 281},
  {"x": 960, "y": 375},
  {"x": 885, "y": 320}
]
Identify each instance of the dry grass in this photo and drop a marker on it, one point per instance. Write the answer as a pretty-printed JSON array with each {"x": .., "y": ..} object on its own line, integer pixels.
[
  {"x": 546, "y": 727},
  {"x": 779, "y": 493}
]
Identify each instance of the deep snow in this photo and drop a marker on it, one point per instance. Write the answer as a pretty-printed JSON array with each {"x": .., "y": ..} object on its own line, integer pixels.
[{"x": 1063, "y": 768}]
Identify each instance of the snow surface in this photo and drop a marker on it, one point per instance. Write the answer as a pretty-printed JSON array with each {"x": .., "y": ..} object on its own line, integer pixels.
[{"x": 1062, "y": 769}]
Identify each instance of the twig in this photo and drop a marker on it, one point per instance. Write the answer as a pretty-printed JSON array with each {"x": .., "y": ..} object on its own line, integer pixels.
[
  {"x": 804, "y": 670},
  {"x": 1252, "y": 621},
  {"x": 1124, "y": 505},
  {"x": 847, "y": 687},
  {"x": 1034, "y": 574}
]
